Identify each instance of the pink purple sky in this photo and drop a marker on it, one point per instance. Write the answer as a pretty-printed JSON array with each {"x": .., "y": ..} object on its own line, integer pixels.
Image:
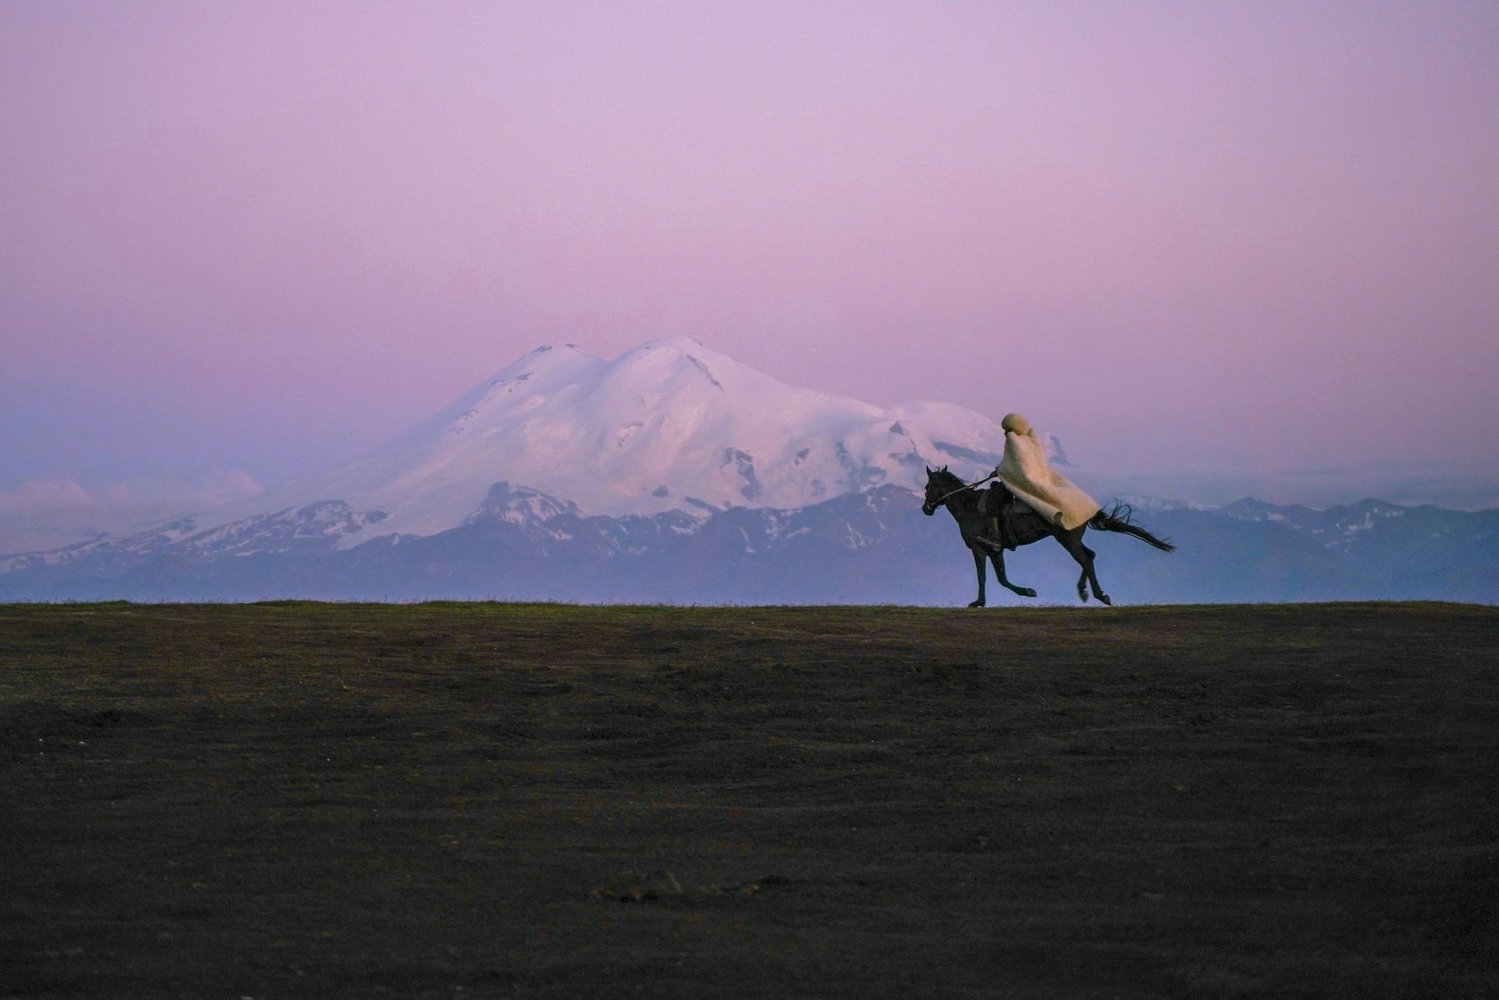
[{"x": 1232, "y": 245}]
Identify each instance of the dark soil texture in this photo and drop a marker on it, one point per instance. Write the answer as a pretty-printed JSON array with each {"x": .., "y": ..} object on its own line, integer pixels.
[{"x": 493, "y": 800}]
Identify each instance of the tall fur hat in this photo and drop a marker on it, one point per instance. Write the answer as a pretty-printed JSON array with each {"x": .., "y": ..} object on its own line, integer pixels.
[{"x": 1015, "y": 422}]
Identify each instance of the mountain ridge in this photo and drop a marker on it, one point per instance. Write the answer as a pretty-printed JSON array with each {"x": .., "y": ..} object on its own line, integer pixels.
[
  {"x": 674, "y": 473},
  {"x": 870, "y": 547}
]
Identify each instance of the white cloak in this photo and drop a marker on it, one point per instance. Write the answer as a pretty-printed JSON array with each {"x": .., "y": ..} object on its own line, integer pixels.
[{"x": 1036, "y": 484}]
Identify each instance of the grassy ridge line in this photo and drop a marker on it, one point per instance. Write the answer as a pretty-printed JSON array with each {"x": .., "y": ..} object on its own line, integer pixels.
[
  {"x": 225, "y": 647},
  {"x": 568, "y": 634},
  {"x": 327, "y": 800}
]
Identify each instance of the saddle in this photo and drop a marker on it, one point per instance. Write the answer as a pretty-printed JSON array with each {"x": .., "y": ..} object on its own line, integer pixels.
[
  {"x": 994, "y": 500},
  {"x": 999, "y": 505}
]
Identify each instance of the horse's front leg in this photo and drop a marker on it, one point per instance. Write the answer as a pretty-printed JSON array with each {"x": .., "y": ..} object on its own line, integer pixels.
[
  {"x": 978, "y": 564},
  {"x": 997, "y": 557}
]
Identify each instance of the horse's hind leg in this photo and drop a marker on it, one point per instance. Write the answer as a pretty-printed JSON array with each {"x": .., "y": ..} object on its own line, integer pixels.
[
  {"x": 998, "y": 559},
  {"x": 1073, "y": 543},
  {"x": 1092, "y": 576}
]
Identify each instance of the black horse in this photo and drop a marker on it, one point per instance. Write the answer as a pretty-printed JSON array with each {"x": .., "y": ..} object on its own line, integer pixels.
[{"x": 1019, "y": 525}]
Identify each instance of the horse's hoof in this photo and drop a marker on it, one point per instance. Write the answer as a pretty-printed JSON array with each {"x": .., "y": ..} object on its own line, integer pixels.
[
  {"x": 976, "y": 604},
  {"x": 1082, "y": 595},
  {"x": 1104, "y": 599},
  {"x": 1026, "y": 592}
]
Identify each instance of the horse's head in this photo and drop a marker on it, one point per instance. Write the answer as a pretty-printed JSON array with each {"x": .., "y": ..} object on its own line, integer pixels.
[{"x": 939, "y": 485}]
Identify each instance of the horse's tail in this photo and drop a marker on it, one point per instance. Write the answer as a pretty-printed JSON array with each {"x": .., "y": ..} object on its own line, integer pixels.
[{"x": 1118, "y": 519}]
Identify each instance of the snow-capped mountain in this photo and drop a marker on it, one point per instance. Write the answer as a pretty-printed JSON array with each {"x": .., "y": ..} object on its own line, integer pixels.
[
  {"x": 669, "y": 425},
  {"x": 673, "y": 473}
]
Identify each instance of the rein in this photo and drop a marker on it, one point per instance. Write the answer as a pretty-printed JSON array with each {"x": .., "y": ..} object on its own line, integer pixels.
[{"x": 967, "y": 486}]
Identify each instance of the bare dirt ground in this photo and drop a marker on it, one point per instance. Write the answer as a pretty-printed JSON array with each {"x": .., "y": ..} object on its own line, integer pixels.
[{"x": 468, "y": 800}]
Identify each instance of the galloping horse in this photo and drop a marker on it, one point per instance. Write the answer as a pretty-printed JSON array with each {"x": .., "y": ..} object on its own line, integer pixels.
[{"x": 1022, "y": 526}]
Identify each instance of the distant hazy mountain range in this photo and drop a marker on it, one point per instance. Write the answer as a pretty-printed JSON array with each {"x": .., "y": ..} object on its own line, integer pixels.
[{"x": 673, "y": 473}]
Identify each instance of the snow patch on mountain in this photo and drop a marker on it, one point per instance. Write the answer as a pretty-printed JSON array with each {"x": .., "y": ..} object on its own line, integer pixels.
[
  {"x": 1336, "y": 528},
  {"x": 512, "y": 505}
]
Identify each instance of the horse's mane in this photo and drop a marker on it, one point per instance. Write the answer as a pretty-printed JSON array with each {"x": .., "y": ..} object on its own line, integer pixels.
[{"x": 947, "y": 479}]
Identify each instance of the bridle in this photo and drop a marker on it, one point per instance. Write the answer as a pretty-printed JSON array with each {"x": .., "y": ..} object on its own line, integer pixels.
[{"x": 931, "y": 505}]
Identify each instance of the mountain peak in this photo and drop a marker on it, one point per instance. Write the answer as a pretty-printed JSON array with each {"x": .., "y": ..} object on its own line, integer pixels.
[
  {"x": 679, "y": 343},
  {"x": 657, "y": 359},
  {"x": 669, "y": 424}
]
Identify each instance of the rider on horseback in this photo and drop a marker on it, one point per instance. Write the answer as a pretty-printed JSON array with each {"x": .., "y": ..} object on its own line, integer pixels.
[
  {"x": 1029, "y": 477},
  {"x": 1050, "y": 507}
]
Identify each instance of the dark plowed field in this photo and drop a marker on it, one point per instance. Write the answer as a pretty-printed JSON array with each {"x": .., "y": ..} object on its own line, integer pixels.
[{"x": 473, "y": 800}]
